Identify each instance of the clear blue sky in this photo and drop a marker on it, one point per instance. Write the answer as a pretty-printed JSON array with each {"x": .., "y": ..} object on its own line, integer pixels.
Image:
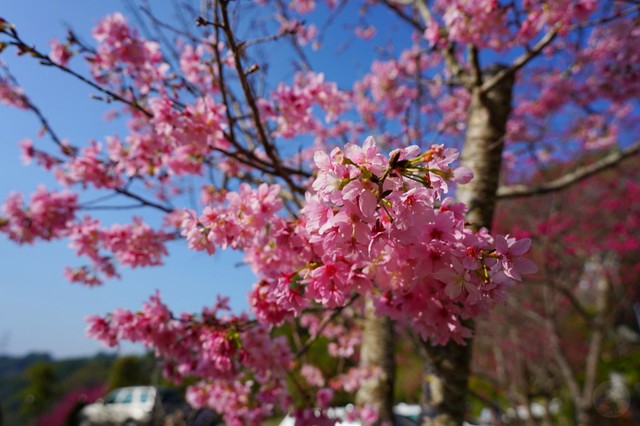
[{"x": 39, "y": 309}]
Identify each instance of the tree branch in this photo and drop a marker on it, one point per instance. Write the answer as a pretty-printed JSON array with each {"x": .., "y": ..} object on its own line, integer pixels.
[
  {"x": 474, "y": 61},
  {"x": 571, "y": 178},
  {"x": 394, "y": 6},
  {"x": 325, "y": 322},
  {"x": 448, "y": 52},
  {"x": 45, "y": 60},
  {"x": 522, "y": 60},
  {"x": 269, "y": 148},
  {"x": 143, "y": 201}
]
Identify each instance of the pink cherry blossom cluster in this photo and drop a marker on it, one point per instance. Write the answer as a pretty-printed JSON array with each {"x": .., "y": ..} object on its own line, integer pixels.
[
  {"x": 89, "y": 168},
  {"x": 291, "y": 107},
  {"x": 121, "y": 52},
  {"x": 185, "y": 137},
  {"x": 47, "y": 216},
  {"x": 240, "y": 369},
  {"x": 343, "y": 336},
  {"x": 12, "y": 95},
  {"x": 372, "y": 225},
  {"x": 304, "y": 33},
  {"x": 382, "y": 224},
  {"x": 193, "y": 63},
  {"x": 43, "y": 159},
  {"x": 478, "y": 22},
  {"x": 60, "y": 53},
  {"x": 611, "y": 57},
  {"x": 135, "y": 244},
  {"x": 453, "y": 107},
  {"x": 488, "y": 23},
  {"x": 248, "y": 212},
  {"x": 389, "y": 89},
  {"x": 563, "y": 13},
  {"x": 173, "y": 142}
]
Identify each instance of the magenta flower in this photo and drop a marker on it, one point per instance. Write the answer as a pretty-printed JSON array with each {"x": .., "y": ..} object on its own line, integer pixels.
[{"x": 510, "y": 251}]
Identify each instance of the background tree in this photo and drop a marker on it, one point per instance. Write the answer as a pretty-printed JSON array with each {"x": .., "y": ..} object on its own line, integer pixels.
[
  {"x": 557, "y": 338},
  {"x": 41, "y": 391},
  {"x": 131, "y": 371}
]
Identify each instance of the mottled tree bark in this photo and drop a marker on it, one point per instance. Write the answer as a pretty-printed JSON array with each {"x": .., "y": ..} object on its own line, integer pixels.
[
  {"x": 482, "y": 151},
  {"x": 377, "y": 351},
  {"x": 445, "y": 384},
  {"x": 585, "y": 413},
  {"x": 448, "y": 367}
]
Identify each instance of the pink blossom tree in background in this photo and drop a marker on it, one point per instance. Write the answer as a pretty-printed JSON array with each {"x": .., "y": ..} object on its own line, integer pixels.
[
  {"x": 580, "y": 303},
  {"x": 339, "y": 195}
]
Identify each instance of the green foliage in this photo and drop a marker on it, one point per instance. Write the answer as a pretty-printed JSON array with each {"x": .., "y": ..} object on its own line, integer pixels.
[
  {"x": 130, "y": 371},
  {"x": 71, "y": 374},
  {"x": 41, "y": 389},
  {"x": 12, "y": 382},
  {"x": 409, "y": 367},
  {"x": 84, "y": 372},
  {"x": 409, "y": 371}
]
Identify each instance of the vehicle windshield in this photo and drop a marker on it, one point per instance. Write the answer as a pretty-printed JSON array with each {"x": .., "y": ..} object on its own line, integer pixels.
[{"x": 111, "y": 397}]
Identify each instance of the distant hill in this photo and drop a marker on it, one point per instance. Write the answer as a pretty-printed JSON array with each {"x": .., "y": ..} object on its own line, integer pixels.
[
  {"x": 10, "y": 365},
  {"x": 70, "y": 374}
]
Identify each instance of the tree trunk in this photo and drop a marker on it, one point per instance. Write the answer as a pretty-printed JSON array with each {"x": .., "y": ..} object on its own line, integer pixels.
[
  {"x": 583, "y": 414},
  {"x": 447, "y": 372},
  {"x": 445, "y": 384},
  {"x": 482, "y": 151},
  {"x": 604, "y": 265},
  {"x": 377, "y": 352}
]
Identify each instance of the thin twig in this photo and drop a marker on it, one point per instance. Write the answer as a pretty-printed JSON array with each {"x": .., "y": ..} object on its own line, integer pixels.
[{"x": 307, "y": 345}]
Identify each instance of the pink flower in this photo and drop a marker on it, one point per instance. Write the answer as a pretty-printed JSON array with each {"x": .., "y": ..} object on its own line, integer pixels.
[
  {"x": 365, "y": 33},
  {"x": 434, "y": 34},
  {"x": 324, "y": 397},
  {"x": 312, "y": 375},
  {"x": 12, "y": 95},
  {"x": 303, "y": 6},
  {"x": 100, "y": 329},
  {"x": 510, "y": 250},
  {"x": 47, "y": 216},
  {"x": 60, "y": 53}
]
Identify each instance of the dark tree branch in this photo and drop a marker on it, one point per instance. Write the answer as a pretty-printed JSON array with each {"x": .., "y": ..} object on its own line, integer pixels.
[
  {"x": 238, "y": 51},
  {"x": 522, "y": 60},
  {"x": 571, "y": 178},
  {"x": 307, "y": 345},
  {"x": 394, "y": 6},
  {"x": 449, "y": 51},
  {"x": 143, "y": 201},
  {"x": 18, "y": 42},
  {"x": 476, "y": 70},
  {"x": 526, "y": 57},
  {"x": 114, "y": 207}
]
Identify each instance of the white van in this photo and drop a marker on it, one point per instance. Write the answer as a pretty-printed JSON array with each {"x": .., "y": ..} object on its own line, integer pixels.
[{"x": 130, "y": 406}]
